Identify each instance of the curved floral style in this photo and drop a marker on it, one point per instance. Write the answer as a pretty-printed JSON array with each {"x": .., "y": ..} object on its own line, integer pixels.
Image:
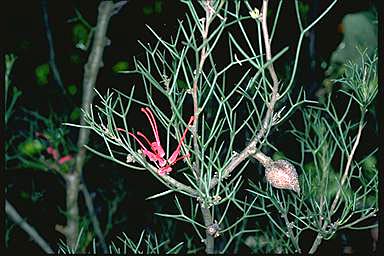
[{"x": 156, "y": 153}]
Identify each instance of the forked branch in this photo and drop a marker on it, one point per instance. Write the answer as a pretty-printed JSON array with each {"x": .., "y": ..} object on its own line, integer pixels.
[{"x": 251, "y": 149}]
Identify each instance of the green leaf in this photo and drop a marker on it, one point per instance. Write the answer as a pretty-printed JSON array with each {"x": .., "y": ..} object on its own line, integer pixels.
[
  {"x": 182, "y": 84},
  {"x": 31, "y": 147},
  {"x": 278, "y": 156},
  {"x": 147, "y": 10},
  {"x": 72, "y": 89},
  {"x": 160, "y": 194},
  {"x": 316, "y": 177},
  {"x": 369, "y": 164},
  {"x": 75, "y": 58},
  {"x": 158, "y": 6},
  {"x": 80, "y": 33},
  {"x": 24, "y": 195},
  {"x": 42, "y": 72},
  {"x": 120, "y": 66},
  {"x": 75, "y": 114}
]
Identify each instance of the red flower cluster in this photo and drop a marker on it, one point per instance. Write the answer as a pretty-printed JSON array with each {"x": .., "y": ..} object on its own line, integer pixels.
[
  {"x": 53, "y": 152},
  {"x": 156, "y": 153}
]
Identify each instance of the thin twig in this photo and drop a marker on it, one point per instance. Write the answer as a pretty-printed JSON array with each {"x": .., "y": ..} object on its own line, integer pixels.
[
  {"x": 209, "y": 239},
  {"x": 290, "y": 231},
  {"x": 31, "y": 231},
  {"x": 178, "y": 185},
  {"x": 52, "y": 57},
  {"x": 199, "y": 69},
  {"x": 92, "y": 214}
]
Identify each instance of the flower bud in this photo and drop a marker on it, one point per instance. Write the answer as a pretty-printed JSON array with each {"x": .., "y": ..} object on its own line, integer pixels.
[{"x": 282, "y": 174}]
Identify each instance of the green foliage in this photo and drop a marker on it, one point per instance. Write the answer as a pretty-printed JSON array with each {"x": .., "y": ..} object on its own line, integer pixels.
[
  {"x": 147, "y": 10},
  {"x": 42, "y": 72},
  {"x": 360, "y": 80},
  {"x": 72, "y": 89},
  {"x": 278, "y": 156},
  {"x": 147, "y": 243},
  {"x": 303, "y": 9},
  {"x": 15, "y": 93},
  {"x": 75, "y": 58},
  {"x": 120, "y": 66},
  {"x": 155, "y": 8},
  {"x": 370, "y": 164},
  {"x": 316, "y": 178},
  {"x": 31, "y": 147},
  {"x": 80, "y": 33},
  {"x": 44, "y": 133},
  {"x": 75, "y": 114},
  {"x": 158, "y": 6}
]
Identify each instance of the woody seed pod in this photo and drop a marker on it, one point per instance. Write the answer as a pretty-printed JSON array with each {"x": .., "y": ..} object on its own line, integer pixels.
[{"x": 282, "y": 174}]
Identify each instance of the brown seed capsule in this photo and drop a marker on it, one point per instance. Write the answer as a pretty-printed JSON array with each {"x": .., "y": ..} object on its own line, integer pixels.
[{"x": 282, "y": 174}]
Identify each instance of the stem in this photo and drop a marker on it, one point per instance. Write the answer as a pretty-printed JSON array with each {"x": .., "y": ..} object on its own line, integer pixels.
[
  {"x": 175, "y": 183},
  {"x": 209, "y": 240},
  {"x": 52, "y": 58},
  {"x": 92, "y": 214},
  {"x": 203, "y": 57},
  {"x": 263, "y": 159},
  {"x": 15, "y": 216},
  {"x": 319, "y": 238},
  {"x": 251, "y": 148},
  {"x": 106, "y": 10},
  {"x": 290, "y": 232},
  {"x": 71, "y": 231}
]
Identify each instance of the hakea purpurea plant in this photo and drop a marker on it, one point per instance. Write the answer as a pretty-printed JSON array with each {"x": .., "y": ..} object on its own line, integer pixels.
[
  {"x": 156, "y": 154},
  {"x": 224, "y": 109}
]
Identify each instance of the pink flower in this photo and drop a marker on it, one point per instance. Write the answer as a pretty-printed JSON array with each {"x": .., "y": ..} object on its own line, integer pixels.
[
  {"x": 156, "y": 153},
  {"x": 65, "y": 159},
  {"x": 53, "y": 152}
]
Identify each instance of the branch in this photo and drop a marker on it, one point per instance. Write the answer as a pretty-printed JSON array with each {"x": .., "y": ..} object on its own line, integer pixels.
[
  {"x": 52, "y": 58},
  {"x": 91, "y": 70},
  {"x": 15, "y": 216},
  {"x": 348, "y": 165},
  {"x": 92, "y": 214},
  {"x": 290, "y": 231},
  {"x": 106, "y": 10},
  {"x": 209, "y": 239},
  {"x": 203, "y": 57},
  {"x": 172, "y": 183},
  {"x": 251, "y": 148}
]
